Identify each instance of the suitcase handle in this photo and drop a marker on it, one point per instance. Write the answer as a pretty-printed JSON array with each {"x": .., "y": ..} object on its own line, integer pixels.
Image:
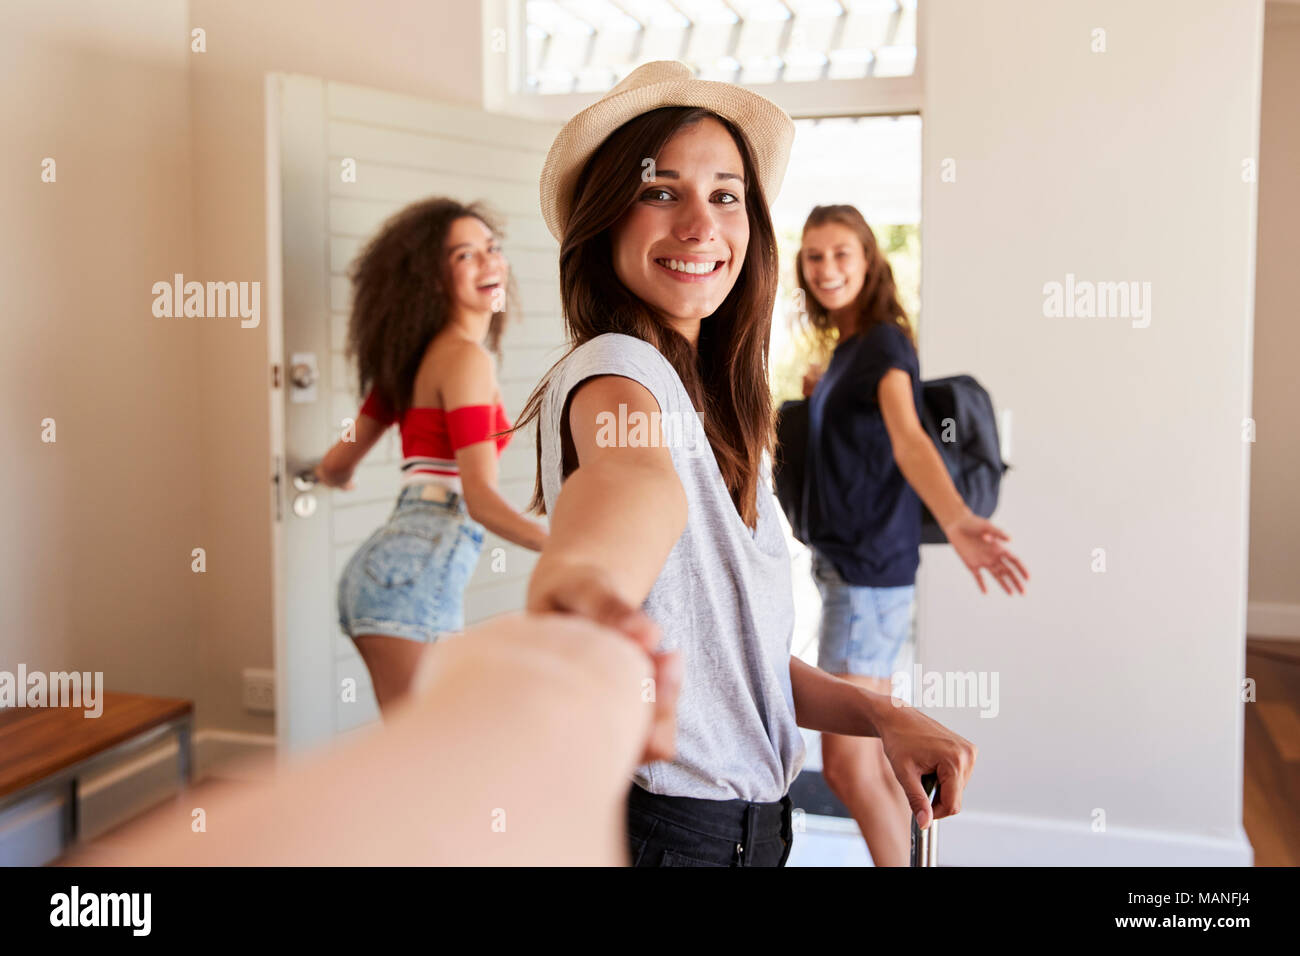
[{"x": 925, "y": 843}]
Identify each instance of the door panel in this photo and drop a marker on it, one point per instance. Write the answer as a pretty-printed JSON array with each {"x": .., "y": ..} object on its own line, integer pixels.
[{"x": 405, "y": 149}]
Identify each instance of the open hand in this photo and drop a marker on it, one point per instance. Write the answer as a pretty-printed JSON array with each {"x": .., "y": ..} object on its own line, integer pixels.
[{"x": 977, "y": 542}]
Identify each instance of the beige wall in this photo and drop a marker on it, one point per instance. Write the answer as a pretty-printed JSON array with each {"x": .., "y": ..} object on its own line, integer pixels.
[
  {"x": 161, "y": 423},
  {"x": 399, "y": 45},
  {"x": 95, "y": 559},
  {"x": 1275, "y": 464}
]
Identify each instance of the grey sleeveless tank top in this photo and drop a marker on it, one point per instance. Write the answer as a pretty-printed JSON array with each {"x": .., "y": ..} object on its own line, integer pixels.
[{"x": 724, "y": 596}]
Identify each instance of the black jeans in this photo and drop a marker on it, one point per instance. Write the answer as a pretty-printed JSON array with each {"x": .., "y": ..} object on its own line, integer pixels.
[{"x": 687, "y": 831}]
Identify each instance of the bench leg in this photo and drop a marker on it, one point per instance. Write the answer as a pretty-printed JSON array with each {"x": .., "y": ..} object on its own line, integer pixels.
[
  {"x": 184, "y": 758},
  {"x": 72, "y": 829}
]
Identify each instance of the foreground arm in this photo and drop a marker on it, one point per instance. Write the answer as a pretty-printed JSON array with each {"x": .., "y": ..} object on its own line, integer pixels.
[{"x": 539, "y": 715}]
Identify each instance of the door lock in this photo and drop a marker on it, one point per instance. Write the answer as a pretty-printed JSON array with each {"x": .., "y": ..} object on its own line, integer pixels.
[{"x": 304, "y": 375}]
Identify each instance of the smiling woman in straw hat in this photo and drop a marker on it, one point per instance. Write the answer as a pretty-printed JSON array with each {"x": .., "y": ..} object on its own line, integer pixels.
[{"x": 658, "y": 194}]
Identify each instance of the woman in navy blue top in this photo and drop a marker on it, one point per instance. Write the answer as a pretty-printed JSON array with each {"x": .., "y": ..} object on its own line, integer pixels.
[{"x": 870, "y": 465}]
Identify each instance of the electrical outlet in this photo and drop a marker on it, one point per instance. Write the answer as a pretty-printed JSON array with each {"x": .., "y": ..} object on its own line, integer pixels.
[{"x": 259, "y": 691}]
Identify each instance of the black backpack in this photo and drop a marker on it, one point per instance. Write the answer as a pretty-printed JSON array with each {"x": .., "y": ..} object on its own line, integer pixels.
[
  {"x": 956, "y": 412},
  {"x": 958, "y": 415},
  {"x": 789, "y": 462}
]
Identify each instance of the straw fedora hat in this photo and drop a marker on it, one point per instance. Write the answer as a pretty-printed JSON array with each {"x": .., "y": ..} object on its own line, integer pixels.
[{"x": 768, "y": 128}]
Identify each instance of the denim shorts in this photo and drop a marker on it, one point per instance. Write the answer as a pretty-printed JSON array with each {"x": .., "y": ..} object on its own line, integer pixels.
[
  {"x": 862, "y": 627},
  {"x": 408, "y": 578},
  {"x": 688, "y": 831}
]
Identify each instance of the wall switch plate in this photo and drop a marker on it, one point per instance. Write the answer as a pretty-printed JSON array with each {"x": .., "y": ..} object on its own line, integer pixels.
[{"x": 259, "y": 690}]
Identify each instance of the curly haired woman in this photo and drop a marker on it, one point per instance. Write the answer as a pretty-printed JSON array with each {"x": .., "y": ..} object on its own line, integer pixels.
[{"x": 429, "y": 306}]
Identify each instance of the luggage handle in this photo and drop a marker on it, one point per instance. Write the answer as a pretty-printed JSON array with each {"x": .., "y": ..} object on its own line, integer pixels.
[{"x": 925, "y": 843}]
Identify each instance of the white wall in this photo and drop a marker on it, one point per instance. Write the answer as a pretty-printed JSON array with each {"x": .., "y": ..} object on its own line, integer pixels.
[{"x": 1118, "y": 690}]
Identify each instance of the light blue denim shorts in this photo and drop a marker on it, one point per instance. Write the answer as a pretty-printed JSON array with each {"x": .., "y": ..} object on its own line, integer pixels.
[
  {"x": 408, "y": 578},
  {"x": 862, "y": 628}
]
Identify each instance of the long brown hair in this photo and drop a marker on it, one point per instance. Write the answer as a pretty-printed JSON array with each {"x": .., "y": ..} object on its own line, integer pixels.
[
  {"x": 402, "y": 296},
  {"x": 878, "y": 299},
  {"x": 727, "y": 375}
]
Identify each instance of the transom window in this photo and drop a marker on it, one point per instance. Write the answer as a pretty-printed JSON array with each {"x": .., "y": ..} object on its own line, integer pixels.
[{"x": 584, "y": 46}]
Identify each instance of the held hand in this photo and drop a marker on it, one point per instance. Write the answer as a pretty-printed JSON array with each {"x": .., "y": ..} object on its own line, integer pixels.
[
  {"x": 915, "y": 745},
  {"x": 977, "y": 542},
  {"x": 588, "y": 592}
]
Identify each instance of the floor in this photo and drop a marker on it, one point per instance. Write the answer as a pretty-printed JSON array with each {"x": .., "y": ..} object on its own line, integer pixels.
[
  {"x": 829, "y": 836},
  {"x": 101, "y": 850},
  {"x": 1271, "y": 805}
]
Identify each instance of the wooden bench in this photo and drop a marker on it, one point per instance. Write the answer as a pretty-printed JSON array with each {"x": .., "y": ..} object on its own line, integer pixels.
[{"x": 49, "y": 749}]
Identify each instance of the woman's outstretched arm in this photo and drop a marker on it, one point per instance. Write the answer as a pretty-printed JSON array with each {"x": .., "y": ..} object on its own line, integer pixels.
[
  {"x": 515, "y": 747},
  {"x": 623, "y": 507},
  {"x": 615, "y": 520},
  {"x": 336, "y": 467},
  {"x": 976, "y": 540}
]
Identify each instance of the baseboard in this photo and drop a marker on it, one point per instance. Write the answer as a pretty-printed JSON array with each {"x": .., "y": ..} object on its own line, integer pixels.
[
  {"x": 990, "y": 839},
  {"x": 235, "y": 755},
  {"x": 1268, "y": 619}
]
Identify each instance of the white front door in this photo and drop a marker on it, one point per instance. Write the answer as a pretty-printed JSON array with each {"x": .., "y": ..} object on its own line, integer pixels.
[{"x": 340, "y": 160}]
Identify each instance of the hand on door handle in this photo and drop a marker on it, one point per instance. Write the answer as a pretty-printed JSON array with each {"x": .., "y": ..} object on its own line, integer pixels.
[{"x": 308, "y": 478}]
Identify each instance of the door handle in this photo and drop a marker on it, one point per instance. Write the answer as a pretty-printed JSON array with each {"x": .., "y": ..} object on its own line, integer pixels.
[
  {"x": 925, "y": 843},
  {"x": 304, "y": 486},
  {"x": 305, "y": 479}
]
